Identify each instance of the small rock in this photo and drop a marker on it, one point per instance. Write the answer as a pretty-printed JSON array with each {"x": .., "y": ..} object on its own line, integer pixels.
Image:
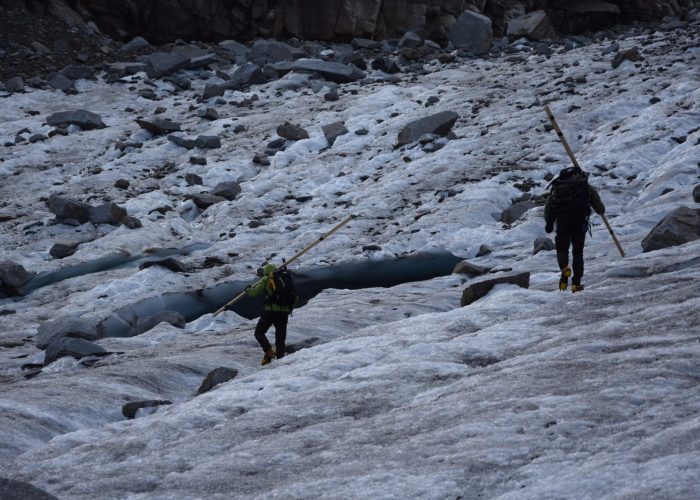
[
  {"x": 216, "y": 377},
  {"x": 198, "y": 160},
  {"x": 122, "y": 184},
  {"x": 292, "y": 132},
  {"x": 208, "y": 142},
  {"x": 61, "y": 250}
]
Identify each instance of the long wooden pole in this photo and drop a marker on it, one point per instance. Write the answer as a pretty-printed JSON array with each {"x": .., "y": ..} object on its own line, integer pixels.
[
  {"x": 555, "y": 125},
  {"x": 295, "y": 257}
]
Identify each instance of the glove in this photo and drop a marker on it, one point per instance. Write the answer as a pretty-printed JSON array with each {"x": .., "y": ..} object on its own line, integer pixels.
[{"x": 549, "y": 227}]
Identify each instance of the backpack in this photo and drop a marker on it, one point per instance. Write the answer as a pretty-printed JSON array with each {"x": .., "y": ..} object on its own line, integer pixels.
[
  {"x": 570, "y": 192},
  {"x": 281, "y": 289}
]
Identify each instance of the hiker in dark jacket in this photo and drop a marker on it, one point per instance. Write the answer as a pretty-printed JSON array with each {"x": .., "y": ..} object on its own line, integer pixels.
[
  {"x": 273, "y": 314},
  {"x": 569, "y": 205}
]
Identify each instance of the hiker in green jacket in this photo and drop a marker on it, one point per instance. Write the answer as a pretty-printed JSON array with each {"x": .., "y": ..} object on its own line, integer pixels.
[{"x": 280, "y": 298}]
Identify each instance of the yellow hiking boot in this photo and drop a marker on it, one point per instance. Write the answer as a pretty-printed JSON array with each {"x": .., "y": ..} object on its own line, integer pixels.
[
  {"x": 576, "y": 288},
  {"x": 268, "y": 357},
  {"x": 564, "y": 280}
]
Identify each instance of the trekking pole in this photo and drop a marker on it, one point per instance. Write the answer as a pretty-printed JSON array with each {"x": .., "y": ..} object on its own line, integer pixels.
[
  {"x": 295, "y": 257},
  {"x": 555, "y": 125}
]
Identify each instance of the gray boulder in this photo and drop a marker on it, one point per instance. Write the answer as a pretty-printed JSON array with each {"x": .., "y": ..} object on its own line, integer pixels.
[
  {"x": 68, "y": 346},
  {"x": 15, "y": 84},
  {"x": 542, "y": 243},
  {"x": 130, "y": 410},
  {"x": 292, "y": 132},
  {"x": 65, "y": 327},
  {"x": 18, "y": 490},
  {"x": 410, "y": 39},
  {"x": 60, "y": 82},
  {"x": 334, "y": 130},
  {"x": 84, "y": 119},
  {"x": 235, "y": 48},
  {"x": 331, "y": 71},
  {"x": 515, "y": 211},
  {"x": 182, "y": 141},
  {"x": 472, "y": 32},
  {"x": 696, "y": 194},
  {"x": 162, "y": 64},
  {"x": 136, "y": 43},
  {"x": 678, "y": 227},
  {"x": 216, "y": 377},
  {"x": 214, "y": 90},
  {"x": 386, "y": 64},
  {"x": 265, "y": 51},
  {"x": 204, "y": 200},
  {"x": 172, "y": 317},
  {"x": 439, "y": 123},
  {"x": 13, "y": 276},
  {"x": 228, "y": 190},
  {"x": 208, "y": 114},
  {"x": 68, "y": 208},
  {"x": 533, "y": 25},
  {"x": 249, "y": 74},
  {"x": 159, "y": 126},
  {"x": 207, "y": 142},
  {"x": 63, "y": 249},
  {"x": 466, "y": 267},
  {"x": 108, "y": 213},
  {"x": 479, "y": 289}
]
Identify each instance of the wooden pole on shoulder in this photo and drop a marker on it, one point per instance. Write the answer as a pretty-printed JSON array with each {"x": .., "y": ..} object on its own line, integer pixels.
[{"x": 555, "y": 125}]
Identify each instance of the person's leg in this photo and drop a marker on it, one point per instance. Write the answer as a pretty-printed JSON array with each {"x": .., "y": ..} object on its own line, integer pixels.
[
  {"x": 280, "y": 321},
  {"x": 261, "y": 328},
  {"x": 562, "y": 241},
  {"x": 578, "y": 239}
]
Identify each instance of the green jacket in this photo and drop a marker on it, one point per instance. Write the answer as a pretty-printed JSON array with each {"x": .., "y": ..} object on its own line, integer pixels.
[{"x": 262, "y": 288}]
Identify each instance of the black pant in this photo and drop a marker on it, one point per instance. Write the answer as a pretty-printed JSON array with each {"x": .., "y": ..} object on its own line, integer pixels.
[
  {"x": 269, "y": 318},
  {"x": 571, "y": 231}
]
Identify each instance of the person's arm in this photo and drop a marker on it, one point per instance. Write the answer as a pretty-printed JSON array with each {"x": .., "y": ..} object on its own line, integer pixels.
[
  {"x": 596, "y": 202},
  {"x": 549, "y": 215},
  {"x": 258, "y": 289}
]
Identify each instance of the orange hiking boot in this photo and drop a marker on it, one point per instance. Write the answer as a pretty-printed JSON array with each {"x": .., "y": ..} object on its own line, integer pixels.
[{"x": 564, "y": 280}]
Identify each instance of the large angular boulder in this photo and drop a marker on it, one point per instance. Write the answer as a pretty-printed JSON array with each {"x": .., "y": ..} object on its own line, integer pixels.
[
  {"x": 292, "y": 132},
  {"x": 228, "y": 190},
  {"x": 162, "y": 64},
  {"x": 440, "y": 123},
  {"x": 159, "y": 126},
  {"x": 334, "y": 130},
  {"x": 79, "y": 72},
  {"x": 65, "y": 327},
  {"x": 480, "y": 288},
  {"x": 680, "y": 226},
  {"x": 249, "y": 74},
  {"x": 67, "y": 346},
  {"x": 84, "y": 119},
  {"x": 533, "y": 25},
  {"x": 472, "y": 32},
  {"x": 12, "y": 277},
  {"x": 108, "y": 213},
  {"x": 68, "y": 208},
  {"x": 216, "y": 377},
  {"x": 515, "y": 211},
  {"x": 331, "y": 71}
]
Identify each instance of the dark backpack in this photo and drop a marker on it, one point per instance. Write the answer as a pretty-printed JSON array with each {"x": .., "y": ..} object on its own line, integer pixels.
[
  {"x": 281, "y": 290},
  {"x": 570, "y": 192}
]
